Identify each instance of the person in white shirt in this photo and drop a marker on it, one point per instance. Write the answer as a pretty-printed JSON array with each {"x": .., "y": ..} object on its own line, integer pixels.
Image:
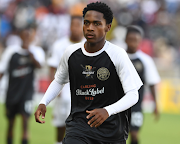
[
  {"x": 20, "y": 62},
  {"x": 61, "y": 108},
  {"x": 103, "y": 82},
  {"x": 148, "y": 73}
]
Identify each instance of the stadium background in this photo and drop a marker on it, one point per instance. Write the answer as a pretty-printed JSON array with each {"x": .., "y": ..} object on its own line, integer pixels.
[{"x": 160, "y": 20}]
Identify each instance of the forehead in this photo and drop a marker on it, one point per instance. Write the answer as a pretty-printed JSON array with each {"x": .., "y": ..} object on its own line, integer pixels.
[
  {"x": 76, "y": 20},
  {"x": 24, "y": 31},
  {"x": 94, "y": 15},
  {"x": 134, "y": 35}
]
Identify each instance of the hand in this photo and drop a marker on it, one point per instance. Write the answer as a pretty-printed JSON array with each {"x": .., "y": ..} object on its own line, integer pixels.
[
  {"x": 98, "y": 117},
  {"x": 156, "y": 113},
  {"x": 41, "y": 110},
  {"x": 36, "y": 63}
]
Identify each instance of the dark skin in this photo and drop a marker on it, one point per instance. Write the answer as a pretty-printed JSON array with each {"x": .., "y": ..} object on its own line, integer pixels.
[
  {"x": 94, "y": 29},
  {"x": 153, "y": 92},
  {"x": 1, "y": 75},
  {"x": 27, "y": 37},
  {"x": 76, "y": 30},
  {"x": 133, "y": 40},
  {"x": 76, "y": 36}
]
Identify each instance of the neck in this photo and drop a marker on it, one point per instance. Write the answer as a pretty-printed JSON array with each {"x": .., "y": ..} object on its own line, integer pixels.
[
  {"x": 130, "y": 51},
  {"x": 75, "y": 40},
  {"x": 24, "y": 46},
  {"x": 94, "y": 47}
]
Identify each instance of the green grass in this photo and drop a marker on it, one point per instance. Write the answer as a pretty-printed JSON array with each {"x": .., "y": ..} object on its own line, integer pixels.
[
  {"x": 38, "y": 133},
  {"x": 164, "y": 131}
]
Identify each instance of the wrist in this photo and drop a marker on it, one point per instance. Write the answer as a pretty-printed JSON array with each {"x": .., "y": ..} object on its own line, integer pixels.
[
  {"x": 108, "y": 110},
  {"x": 42, "y": 103}
]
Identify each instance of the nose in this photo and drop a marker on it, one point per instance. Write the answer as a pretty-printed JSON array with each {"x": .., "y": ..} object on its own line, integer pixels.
[{"x": 90, "y": 27}]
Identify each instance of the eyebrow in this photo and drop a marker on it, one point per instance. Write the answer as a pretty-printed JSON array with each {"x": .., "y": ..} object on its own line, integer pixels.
[{"x": 93, "y": 21}]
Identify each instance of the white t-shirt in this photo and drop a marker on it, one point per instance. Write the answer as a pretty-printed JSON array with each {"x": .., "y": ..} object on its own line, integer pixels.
[
  {"x": 38, "y": 53},
  {"x": 125, "y": 69},
  {"x": 151, "y": 74},
  {"x": 58, "y": 50}
]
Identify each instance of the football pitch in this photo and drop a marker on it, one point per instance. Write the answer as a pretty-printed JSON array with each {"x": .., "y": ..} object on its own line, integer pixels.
[{"x": 164, "y": 131}]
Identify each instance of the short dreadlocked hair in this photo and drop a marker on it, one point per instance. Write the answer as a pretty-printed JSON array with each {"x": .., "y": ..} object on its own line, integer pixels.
[{"x": 100, "y": 7}]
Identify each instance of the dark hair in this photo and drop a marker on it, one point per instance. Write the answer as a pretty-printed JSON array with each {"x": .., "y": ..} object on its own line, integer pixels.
[
  {"x": 135, "y": 29},
  {"x": 29, "y": 26},
  {"x": 100, "y": 7},
  {"x": 76, "y": 16}
]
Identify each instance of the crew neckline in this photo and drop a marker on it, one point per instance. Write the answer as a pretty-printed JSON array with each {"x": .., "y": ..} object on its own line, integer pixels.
[
  {"x": 134, "y": 55},
  {"x": 95, "y": 53}
]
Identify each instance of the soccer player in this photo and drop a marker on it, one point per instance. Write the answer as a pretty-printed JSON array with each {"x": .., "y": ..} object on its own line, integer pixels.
[
  {"x": 61, "y": 108},
  {"x": 103, "y": 82},
  {"x": 148, "y": 74},
  {"x": 20, "y": 62}
]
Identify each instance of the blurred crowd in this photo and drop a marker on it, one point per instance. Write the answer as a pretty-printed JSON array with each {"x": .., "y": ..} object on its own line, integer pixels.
[{"x": 159, "y": 19}]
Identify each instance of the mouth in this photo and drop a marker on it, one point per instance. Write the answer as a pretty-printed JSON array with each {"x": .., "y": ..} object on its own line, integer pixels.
[{"x": 90, "y": 36}]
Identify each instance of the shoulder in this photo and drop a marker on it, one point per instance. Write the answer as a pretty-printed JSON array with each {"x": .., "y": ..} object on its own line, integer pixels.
[
  {"x": 146, "y": 59},
  {"x": 12, "y": 49},
  {"x": 72, "y": 48},
  {"x": 115, "y": 51},
  {"x": 63, "y": 42},
  {"x": 7, "y": 56},
  {"x": 38, "y": 52},
  {"x": 68, "y": 52},
  {"x": 35, "y": 48},
  {"x": 117, "y": 55}
]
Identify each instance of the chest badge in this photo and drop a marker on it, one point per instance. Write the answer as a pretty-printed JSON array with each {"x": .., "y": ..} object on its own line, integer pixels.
[
  {"x": 103, "y": 74},
  {"x": 88, "y": 71},
  {"x": 138, "y": 66}
]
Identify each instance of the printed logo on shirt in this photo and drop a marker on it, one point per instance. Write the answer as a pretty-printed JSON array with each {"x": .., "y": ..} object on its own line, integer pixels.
[
  {"x": 89, "y": 92},
  {"x": 138, "y": 66},
  {"x": 23, "y": 60},
  {"x": 103, "y": 74},
  {"x": 21, "y": 72},
  {"x": 88, "y": 71},
  {"x": 87, "y": 86}
]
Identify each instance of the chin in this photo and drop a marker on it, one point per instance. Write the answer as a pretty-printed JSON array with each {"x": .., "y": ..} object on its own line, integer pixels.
[{"x": 90, "y": 40}]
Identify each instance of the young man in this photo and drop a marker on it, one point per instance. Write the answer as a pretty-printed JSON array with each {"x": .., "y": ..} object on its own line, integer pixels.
[
  {"x": 148, "y": 74},
  {"x": 104, "y": 84},
  {"x": 61, "y": 108},
  {"x": 20, "y": 62}
]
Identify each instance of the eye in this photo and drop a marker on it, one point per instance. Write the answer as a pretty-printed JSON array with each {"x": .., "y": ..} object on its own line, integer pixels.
[
  {"x": 96, "y": 24},
  {"x": 86, "y": 23}
]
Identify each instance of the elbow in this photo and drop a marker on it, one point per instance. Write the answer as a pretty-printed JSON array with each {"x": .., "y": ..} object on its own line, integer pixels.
[
  {"x": 38, "y": 65},
  {"x": 136, "y": 97}
]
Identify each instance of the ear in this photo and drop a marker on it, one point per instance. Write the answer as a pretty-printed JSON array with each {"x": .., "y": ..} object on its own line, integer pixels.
[
  {"x": 125, "y": 39},
  {"x": 108, "y": 27}
]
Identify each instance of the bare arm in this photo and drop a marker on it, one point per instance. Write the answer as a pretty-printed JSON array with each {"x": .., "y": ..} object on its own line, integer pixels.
[
  {"x": 35, "y": 62},
  {"x": 52, "y": 72},
  {"x": 52, "y": 91},
  {"x": 1, "y": 75},
  {"x": 153, "y": 92}
]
